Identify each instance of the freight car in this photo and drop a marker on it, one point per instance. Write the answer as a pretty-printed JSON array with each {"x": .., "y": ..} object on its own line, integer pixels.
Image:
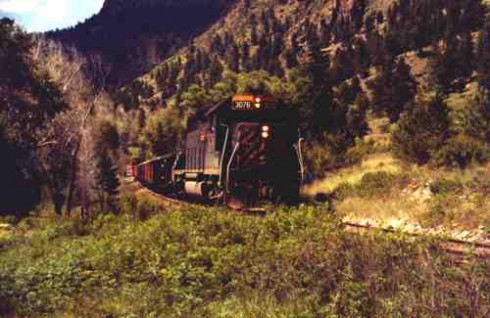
[{"x": 242, "y": 151}]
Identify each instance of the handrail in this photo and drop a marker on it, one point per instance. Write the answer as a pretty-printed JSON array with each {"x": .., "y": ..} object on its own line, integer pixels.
[
  {"x": 228, "y": 168},
  {"x": 174, "y": 166},
  {"x": 223, "y": 153},
  {"x": 299, "y": 153}
]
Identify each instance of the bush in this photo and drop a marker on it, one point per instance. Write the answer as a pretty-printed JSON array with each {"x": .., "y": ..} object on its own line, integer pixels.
[
  {"x": 461, "y": 151},
  {"x": 139, "y": 209},
  {"x": 335, "y": 154},
  {"x": 444, "y": 186},
  {"x": 198, "y": 261},
  {"x": 357, "y": 153},
  {"x": 421, "y": 131},
  {"x": 372, "y": 184}
]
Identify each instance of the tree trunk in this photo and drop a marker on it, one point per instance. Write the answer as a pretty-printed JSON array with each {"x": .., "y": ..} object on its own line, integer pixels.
[{"x": 73, "y": 178}]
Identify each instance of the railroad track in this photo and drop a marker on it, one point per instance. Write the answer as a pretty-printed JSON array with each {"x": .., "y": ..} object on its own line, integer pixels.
[
  {"x": 136, "y": 188},
  {"x": 456, "y": 247}
]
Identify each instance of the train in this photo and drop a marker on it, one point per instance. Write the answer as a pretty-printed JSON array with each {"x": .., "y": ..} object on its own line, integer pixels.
[{"x": 242, "y": 152}]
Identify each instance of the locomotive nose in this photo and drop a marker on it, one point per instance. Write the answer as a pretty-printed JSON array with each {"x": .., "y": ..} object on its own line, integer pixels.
[{"x": 261, "y": 164}]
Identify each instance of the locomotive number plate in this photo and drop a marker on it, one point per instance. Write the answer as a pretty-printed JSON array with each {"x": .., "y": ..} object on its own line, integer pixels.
[
  {"x": 246, "y": 102},
  {"x": 240, "y": 105}
]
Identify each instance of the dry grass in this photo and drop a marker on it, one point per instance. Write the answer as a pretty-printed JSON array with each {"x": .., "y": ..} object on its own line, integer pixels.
[
  {"x": 374, "y": 163},
  {"x": 388, "y": 210},
  {"x": 466, "y": 208}
]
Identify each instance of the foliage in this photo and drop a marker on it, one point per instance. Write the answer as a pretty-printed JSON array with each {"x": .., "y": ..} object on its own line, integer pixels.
[
  {"x": 422, "y": 130},
  {"x": 30, "y": 100},
  {"x": 372, "y": 184},
  {"x": 107, "y": 180},
  {"x": 394, "y": 88},
  {"x": 461, "y": 151},
  {"x": 207, "y": 262},
  {"x": 164, "y": 131}
]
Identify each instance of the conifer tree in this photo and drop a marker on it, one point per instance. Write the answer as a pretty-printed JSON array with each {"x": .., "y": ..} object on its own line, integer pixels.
[
  {"x": 233, "y": 58},
  {"x": 466, "y": 55},
  {"x": 381, "y": 87},
  {"x": 318, "y": 93},
  {"x": 404, "y": 90},
  {"x": 107, "y": 180},
  {"x": 254, "y": 38},
  {"x": 393, "y": 89},
  {"x": 478, "y": 118},
  {"x": 483, "y": 69},
  {"x": 291, "y": 59},
  {"x": 357, "y": 125},
  {"x": 422, "y": 130},
  {"x": 162, "y": 76},
  {"x": 443, "y": 65},
  {"x": 349, "y": 91},
  {"x": 246, "y": 63},
  {"x": 215, "y": 73}
]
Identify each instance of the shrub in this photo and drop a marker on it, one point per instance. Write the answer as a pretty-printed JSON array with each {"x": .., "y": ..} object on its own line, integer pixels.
[
  {"x": 318, "y": 160},
  {"x": 199, "y": 261},
  {"x": 335, "y": 153},
  {"x": 421, "y": 131},
  {"x": 461, "y": 150},
  {"x": 444, "y": 186},
  {"x": 372, "y": 184}
]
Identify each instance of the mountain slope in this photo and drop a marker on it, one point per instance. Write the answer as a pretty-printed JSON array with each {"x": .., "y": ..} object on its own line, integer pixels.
[
  {"x": 273, "y": 35},
  {"x": 132, "y": 36}
]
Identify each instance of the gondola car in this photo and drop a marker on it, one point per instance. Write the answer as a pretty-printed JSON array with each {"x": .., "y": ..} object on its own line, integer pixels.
[{"x": 157, "y": 173}]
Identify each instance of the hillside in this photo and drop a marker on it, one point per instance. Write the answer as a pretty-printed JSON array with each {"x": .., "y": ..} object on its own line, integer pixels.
[
  {"x": 133, "y": 36},
  {"x": 274, "y": 36}
]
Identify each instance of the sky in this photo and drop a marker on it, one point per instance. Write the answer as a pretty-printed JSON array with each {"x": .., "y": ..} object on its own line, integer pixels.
[{"x": 44, "y": 15}]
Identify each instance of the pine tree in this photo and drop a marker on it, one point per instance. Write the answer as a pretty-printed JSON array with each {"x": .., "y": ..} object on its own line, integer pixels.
[
  {"x": 357, "y": 125},
  {"x": 443, "y": 65},
  {"x": 478, "y": 118},
  {"x": 483, "y": 69},
  {"x": 466, "y": 56},
  {"x": 291, "y": 59},
  {"x": 349, "y": 91},
  {"x": 246, "y": 63},
  {"x": 233, "y": 58},
  {"x": 381, "y": 87},
  {"x": 216, "y": 71},
  {"x": 254, "y": 38},
  {"x": 162, "y": 76},
  {"x": 357, "y": 14},
  {"x": 393, "y": 88},
  {"x": 107, "y": 180},
  {"x": 422, "y": 130},
  {"x": 404, "y": 88},
  {"x": 317, "y": 95}
]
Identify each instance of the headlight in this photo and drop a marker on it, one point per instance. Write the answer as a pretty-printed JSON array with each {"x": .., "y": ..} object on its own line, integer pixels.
[{"x": 258, "y": 100}]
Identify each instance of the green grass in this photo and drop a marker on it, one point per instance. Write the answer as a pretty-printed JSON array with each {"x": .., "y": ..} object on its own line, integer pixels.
[{"x": 206, "y": 262}]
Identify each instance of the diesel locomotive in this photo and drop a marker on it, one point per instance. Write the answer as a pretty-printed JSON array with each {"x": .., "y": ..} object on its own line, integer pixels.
[{"x": 243, "y": 151}]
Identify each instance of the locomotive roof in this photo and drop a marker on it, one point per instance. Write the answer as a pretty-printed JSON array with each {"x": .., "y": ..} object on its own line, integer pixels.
[{"x": 222, "y": 105}]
